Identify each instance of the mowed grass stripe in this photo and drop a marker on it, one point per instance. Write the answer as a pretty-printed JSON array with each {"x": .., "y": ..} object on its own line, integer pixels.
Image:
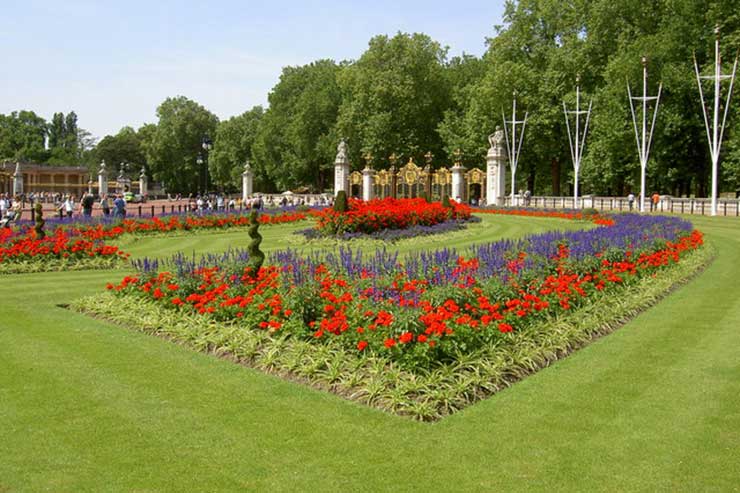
[
  {"x": 653, "y": 406},
  {"x": 275, "y": 237}
]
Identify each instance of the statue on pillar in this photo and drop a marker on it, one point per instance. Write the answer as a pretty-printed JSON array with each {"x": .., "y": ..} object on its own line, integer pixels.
[
  {"x": 495, "y": 168},
  {"x": 342, "y": 151},
  {"x": 496, "y": 139}
]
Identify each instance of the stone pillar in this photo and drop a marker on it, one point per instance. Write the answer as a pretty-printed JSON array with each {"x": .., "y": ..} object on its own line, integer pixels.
[
  {"x": 367, "y": 183},
  {"x": 102, "y": 180},
  {"x": 143, "y": 183},
  {"x": 341, "y": 169},
  {"x": 247, "y": 182},
  {"x": 496, "y": 170},
  {"x": 17, "y": 180},
  {"x": 458, "y": 182}
]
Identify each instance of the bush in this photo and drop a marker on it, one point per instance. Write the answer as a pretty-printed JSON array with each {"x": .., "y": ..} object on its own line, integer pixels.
[{"x": 340, "y": 203}]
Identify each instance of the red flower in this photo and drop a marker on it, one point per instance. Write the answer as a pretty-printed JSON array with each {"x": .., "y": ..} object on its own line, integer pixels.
[
  {"x": 361, "y": 345},
  {"x": 389, "y": 343},
  {"x": 504, "y": 327},
  {"x": 406, "y": 337}
]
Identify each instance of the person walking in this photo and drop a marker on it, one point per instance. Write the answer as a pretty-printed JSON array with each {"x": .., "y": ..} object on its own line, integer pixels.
[
  {"x": 68, "y": 206},
  {"x": 86, "y": 204},
  {"x": 105, "y": 204},
  {"x": 631, "y": 200},
  {"x": 120, "y": 206},
  {"x": 654, "y": 201}
]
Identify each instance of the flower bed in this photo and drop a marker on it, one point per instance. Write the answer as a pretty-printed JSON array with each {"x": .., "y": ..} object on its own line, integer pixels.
[
  {"x": 60, "y": 251},
  {"x": 432, "y": 322},
  {"x": 572, "y": 214},
  {"x": 80, "y": 245},
  {"x": 387, "y": 214},
  {"x": 434, "y": 305}
]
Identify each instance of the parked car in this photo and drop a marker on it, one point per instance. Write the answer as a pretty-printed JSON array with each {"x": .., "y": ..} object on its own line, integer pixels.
[{"x": 134, "y": 198}]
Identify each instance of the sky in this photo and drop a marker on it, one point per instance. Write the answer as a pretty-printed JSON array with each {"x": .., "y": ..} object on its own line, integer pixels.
[{"x": 114, "y": 62}]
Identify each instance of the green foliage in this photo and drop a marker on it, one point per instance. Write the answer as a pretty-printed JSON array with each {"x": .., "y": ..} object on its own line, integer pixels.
[
  {"x": 173, "y": 147},
  {"x": 297, "y": 139},
  {"x": 395, "y": 95},
  {"x": 125, "y": 146},
  {"x": 256, "y": 256},
  {"x": 22, "y": 136},
  {"x": 340, "y": 202},
  {"x": 232, "y": 147},
  {"x": 39, "y": 221},
  {"x": 446, "y": 201}
]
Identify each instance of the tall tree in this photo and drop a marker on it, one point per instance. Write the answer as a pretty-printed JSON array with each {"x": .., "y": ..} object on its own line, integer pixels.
[
  {"x": 395, "y": 96},
  {"x": 22, "y": 137},
  {"x": 233, "y": 146},
  {"x": 176, "y": 144},
  {"x": 297, "y": 138},
  {"x": 125, "y": 146}
]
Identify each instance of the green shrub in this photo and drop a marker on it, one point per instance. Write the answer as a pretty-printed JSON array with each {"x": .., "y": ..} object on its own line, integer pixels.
[
  {"x": 39, "y": 222},
  {"x": 256, "y": 256},
  {"x": 340, "y": 202}
]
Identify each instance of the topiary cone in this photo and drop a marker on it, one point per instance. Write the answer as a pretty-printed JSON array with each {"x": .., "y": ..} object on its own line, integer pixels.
[
  {"x": 256, "y": 256},
  {"x": 340, "y": 203},
  {"x": 39, "y": 222}
]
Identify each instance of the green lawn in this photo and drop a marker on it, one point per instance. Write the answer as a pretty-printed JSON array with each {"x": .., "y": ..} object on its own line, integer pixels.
[{"x": 87, "y": 406}]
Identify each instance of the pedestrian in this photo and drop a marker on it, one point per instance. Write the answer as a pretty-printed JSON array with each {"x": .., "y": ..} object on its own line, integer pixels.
[
  {"x": 105, "y": 204},
  {"x": 68, "y": 206},
  {"x": 654, "y": 202},
  {"x": 631, "y": 200},
  {"x": 86, "y": 204},
  {"x": 120, "y": 206}
]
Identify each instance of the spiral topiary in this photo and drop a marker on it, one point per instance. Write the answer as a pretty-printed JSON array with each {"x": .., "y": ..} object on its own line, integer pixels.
[
  {"x": 340, "y": 203},
  {"x": 256, "y": 256},
  {"x": 39, "y": 222}
]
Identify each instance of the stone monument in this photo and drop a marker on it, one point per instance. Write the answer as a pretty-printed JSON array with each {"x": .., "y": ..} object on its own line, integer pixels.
[
  {"x": 458, "y": 178},
  {"x": 102, "y": 179},
  {"x": 123, "y": 182},
  {"x": 247, "y": 182},
  {"x": 143, "y": 183},
  {"x": 367, "y": 183},
  {"x": 496, "y": 169},
  {"x": 17, "y": 180},
  {"x": 341, "y": 169}
]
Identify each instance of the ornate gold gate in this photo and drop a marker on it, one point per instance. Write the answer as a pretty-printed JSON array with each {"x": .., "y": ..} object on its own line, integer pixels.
[
  {"x": 411, "y": 181},
  {"x": 475, "y": 181}
]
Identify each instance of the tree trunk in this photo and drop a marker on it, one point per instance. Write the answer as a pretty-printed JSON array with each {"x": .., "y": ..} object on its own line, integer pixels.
[{"x": 555, "y": 173}]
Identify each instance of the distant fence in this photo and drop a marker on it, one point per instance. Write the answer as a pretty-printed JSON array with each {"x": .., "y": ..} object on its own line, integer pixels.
[{"x": 702, "y": 207}]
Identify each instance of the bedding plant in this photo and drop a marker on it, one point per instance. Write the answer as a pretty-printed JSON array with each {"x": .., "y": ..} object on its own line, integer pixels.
[{"x": 422, "y": 335}]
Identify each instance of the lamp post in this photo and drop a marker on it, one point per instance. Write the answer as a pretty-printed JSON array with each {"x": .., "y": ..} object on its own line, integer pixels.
[
  {"x": 199, "y": 160},
  {"x": 207, "y": 145}
]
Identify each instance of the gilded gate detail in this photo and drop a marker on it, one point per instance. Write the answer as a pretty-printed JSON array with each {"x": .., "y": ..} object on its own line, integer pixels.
[{"x": 411, "y": 181}]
